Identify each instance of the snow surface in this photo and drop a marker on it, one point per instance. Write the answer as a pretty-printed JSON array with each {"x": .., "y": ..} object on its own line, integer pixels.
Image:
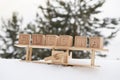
[{"x": 14, "y": 69}]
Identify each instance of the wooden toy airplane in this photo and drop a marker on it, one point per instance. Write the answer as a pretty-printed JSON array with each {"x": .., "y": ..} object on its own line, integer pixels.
[{"x": 63, "y": 43}]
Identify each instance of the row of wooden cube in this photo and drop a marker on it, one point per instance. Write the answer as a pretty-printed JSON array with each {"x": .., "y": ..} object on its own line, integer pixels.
[
  {"x": 93, "y": 42},
  {"x": 62, "y": 40},
  {"x": 49, "y": 40}
]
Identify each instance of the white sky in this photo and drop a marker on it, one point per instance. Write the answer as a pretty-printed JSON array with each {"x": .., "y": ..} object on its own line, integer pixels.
[{"x": 27, "y": 9}]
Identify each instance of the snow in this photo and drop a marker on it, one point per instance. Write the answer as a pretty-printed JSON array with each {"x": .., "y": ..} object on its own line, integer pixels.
[{"x": 14, "y": 69}]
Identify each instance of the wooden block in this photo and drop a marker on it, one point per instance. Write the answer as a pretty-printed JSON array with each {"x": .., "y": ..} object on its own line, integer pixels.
[
  {"x": 65, "y": 40},
  {"x": 60, "y": 57},
  {"x": 57, "y": 57},
  {"x": 96, "y": 42},
  {"x": 38, "y": 39},
  {"x": 80, "y": 41},
  {"x": 51, "y": 40},
  {"x": 24, "y": 39}
]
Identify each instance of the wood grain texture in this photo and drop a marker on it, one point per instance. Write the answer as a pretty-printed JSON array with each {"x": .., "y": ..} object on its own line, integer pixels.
[
  {"x": 65, "y": 40},
  {"x": 80, "y": 41},
  {"x": 24, "y": 39},
  {"x": 96, "y": 42},
  {"x": 38, "y": 39},
  {"x": 51, "y": 40}
]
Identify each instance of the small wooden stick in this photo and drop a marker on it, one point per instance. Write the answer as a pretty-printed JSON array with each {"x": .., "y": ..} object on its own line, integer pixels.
[
  {"x": 70, "y": 57},
  {"x": 27, "y": 53},
  {"x": 30, "y": 53},
  {"x": 93, "y": 57}
]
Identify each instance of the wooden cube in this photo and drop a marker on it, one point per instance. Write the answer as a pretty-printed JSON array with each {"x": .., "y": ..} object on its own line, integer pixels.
[
  {"x": 80, "y": 41},
  {"x": 65, "y": 40},
  {"x": 51, "y": 40},
  {"x": 24, "y": 39},
  {"x": 38, "y": 39},
  {"x": 96, "y": 42}
]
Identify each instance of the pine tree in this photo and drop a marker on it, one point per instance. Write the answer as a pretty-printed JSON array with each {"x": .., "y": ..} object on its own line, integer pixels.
[
  {"x": 75, "y": 17},
  {"x": 9, "y": 37}
]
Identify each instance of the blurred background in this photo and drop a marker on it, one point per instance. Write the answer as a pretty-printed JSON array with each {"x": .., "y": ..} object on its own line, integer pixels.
[{"x": 60, "y": 17}]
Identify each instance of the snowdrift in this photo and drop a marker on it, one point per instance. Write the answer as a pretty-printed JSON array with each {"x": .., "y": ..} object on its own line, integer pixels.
[{"x": 14, "y": 69}]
